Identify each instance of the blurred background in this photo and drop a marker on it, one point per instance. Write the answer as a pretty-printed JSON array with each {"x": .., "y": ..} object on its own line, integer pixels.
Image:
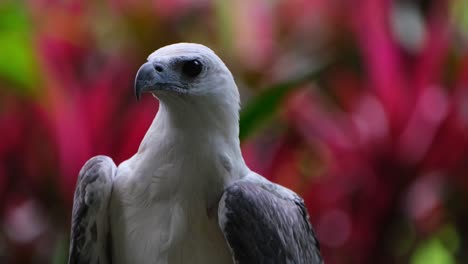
[{"x": 359, "y": 106}]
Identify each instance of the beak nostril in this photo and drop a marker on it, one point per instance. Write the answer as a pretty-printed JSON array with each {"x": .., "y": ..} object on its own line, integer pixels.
[{"x": 158, "y": 68}]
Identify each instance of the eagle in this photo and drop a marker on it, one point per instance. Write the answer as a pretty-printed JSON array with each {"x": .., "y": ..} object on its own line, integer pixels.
[{"x": 187, "y": 195}]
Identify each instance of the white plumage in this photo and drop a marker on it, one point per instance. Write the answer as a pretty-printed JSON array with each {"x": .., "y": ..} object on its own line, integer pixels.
[{"x": 164, "y": 207}]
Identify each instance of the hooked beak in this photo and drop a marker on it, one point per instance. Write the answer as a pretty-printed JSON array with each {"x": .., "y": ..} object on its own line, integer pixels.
[{"x": 145, "y": 79}]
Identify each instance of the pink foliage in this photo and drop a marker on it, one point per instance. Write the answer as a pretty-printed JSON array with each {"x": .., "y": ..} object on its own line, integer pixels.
[{"x": 370, "y": 147}]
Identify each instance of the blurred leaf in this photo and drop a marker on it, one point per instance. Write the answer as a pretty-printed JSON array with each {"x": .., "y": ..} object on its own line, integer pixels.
[
  {"x": 18, "y": 64},
  {"x": 432, "y": 252},
  {"x": 224, "y": 22},
  {"x": 459, "y": 12},
  {"x": 449, "y": 237},
  {"x": 261, "y": 108},
  {"x": 61, "y": 250}
]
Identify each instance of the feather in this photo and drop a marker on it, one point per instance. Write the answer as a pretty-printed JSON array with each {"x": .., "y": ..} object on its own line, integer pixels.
[
  {"x": 266, "y": 223},
  {"x": 89, "y": 240}
]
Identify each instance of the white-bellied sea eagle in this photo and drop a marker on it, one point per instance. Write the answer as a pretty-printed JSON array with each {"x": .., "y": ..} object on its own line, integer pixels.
[{"x": 187, "y": 195}]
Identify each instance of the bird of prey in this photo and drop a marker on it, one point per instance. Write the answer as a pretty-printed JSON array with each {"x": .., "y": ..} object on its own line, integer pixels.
[{"x": 187, "y": 195}]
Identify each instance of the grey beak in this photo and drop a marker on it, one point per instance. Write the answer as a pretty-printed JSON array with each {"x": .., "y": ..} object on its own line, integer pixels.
[{"x": 144, "y": 79}]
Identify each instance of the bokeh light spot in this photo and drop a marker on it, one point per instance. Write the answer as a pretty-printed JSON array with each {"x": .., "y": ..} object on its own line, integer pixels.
[{"x": 334, "y": 228}]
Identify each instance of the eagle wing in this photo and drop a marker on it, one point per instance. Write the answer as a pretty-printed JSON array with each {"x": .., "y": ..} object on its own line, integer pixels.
[
  {"x": 266, "y": 223},
  {"x": 89, "y": 241}
]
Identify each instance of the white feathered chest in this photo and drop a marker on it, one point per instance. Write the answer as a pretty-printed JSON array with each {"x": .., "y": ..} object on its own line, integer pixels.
[{"x": 164, "y": 210}]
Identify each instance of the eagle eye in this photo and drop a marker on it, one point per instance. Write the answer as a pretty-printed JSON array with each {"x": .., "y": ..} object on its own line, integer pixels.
[{"x": 192, "y": 68}]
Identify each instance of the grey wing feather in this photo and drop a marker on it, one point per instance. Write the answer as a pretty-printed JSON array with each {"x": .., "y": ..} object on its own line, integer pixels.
[
  {"x": 263, "y": 226},
  {"x": 89, "y": 240}
]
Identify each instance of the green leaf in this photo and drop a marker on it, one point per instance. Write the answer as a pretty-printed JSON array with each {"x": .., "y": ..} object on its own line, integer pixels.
[
  {"x": 459, "y": 15},
  {"x": 432, "y": 252},
  {"x": 19, "y": 65},
  {"x": 224, "y": 23},
  {"x": 60, "y": 254},
  {"x": 263, "y": 107}
]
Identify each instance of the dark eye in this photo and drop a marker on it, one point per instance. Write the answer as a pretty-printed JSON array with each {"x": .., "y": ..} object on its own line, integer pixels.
[{"x": 192, "y": 68}]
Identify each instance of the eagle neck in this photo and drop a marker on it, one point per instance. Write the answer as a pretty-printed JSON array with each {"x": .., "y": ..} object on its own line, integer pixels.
[
  {"x": 201, "y": 159},
  {"x": 196, "y": 130}
]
